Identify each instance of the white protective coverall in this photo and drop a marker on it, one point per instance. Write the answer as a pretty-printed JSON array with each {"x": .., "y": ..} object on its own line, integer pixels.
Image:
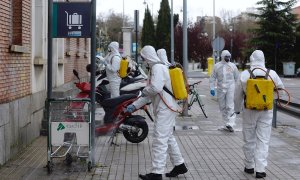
[
  {"x": 113, "y": 60},
  {"x": 162, "y": 54},
  {"x": 225, "y": 73},
  {"x": 256, "y": 123},
  {"x": 163, "y": 140}
]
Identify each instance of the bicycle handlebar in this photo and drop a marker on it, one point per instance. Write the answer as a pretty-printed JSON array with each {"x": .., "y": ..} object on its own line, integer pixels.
[{"x": 192, "y": 85}]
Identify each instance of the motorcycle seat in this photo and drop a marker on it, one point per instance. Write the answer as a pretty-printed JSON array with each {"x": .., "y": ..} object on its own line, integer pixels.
[
  {"x": 114, "y": 102},
  {"x": 129, "y": 81},
  {"x": 110, "y": 105}
]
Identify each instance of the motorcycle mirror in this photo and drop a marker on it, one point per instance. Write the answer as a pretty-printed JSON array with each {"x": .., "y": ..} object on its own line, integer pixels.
[
  {"x": 88, "y": 67},
  {"x": 76, "y": 74}
]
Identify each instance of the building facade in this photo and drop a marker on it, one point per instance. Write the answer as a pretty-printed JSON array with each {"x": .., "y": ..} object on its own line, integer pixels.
[{"x": 23, "y": 71}]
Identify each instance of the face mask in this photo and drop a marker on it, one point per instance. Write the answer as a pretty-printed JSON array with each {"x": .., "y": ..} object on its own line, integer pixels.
[
  {"x": 109, "y": 50},
  {"x": 147, "y": 66},
  {"x": 227, "y": 58}
]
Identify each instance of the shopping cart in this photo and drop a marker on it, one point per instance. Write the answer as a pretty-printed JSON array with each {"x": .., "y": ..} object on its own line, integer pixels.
[{"x": 69, "y": 130}]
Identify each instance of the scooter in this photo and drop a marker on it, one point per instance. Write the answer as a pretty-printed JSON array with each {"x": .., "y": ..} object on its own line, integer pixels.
[
  {"x": 134, "y": 127},
  {"x": 135, "y": 81}
]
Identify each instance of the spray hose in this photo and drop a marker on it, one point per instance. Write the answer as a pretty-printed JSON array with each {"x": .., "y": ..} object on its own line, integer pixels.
[{"x": 277, "y": 89}]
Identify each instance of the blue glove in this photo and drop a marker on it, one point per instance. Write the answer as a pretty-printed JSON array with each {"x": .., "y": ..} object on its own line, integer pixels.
[
  {"x": 212, "y": 92},
  {"x": 130, "y": 108}
]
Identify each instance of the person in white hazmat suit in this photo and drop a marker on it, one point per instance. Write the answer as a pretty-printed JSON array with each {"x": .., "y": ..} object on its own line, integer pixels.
[
  {"x": 257, "y": 124},
  {"x": 162, "y": 54},
  {"x": 225, "y": 73},
  {"x": 163, "y": 140},
  {"x": 112, "y": 62}
]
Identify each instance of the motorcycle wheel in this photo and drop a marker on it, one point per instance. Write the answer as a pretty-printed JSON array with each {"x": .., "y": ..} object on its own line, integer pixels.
[{"x": 137, "y": 137}]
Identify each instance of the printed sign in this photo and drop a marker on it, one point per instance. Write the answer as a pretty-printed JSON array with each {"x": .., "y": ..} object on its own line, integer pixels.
[
  {"x": 59, "y": 130},
  {"x": 71, "y": 20}
]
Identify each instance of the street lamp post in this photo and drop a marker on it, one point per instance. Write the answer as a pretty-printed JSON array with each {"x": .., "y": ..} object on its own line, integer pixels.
[
  {"x": 99, "y": 41},
  {"x": 145, "y": 3},
  {"x": 231, "y": 39},
  {"x": 172, "y": 33}
]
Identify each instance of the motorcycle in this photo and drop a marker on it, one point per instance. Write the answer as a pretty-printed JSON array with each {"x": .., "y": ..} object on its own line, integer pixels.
[
  {"x": 134, "y": 127},
  {"x": 135, "y": 80}
]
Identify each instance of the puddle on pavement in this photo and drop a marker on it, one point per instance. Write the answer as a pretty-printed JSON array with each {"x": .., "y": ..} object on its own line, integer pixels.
[{"x": 186, "y": 127}]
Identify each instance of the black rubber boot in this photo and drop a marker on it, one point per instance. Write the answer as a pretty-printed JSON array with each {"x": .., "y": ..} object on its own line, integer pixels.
[
  {"x": 151, "y": 176},
  {"x": 260, "y": 175},
  {"x": 230, "y": 129},
  {"x": 180, "y": 169},
  {"x": 249, "y": 171}
]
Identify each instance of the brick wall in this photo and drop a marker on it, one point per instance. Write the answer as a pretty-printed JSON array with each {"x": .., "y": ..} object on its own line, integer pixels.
[
  {"x": 14, "y": 67},
  {"x": 76, "y": 48}
]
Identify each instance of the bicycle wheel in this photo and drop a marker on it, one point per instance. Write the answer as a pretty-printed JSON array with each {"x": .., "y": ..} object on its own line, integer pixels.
[{"x": 201, "y": 105}]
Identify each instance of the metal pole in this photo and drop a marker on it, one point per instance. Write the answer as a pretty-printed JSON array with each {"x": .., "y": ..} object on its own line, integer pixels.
[
  {"x": 231, "y": 44},
  {"x": 185, "y": 44},
  {"x": 49, "y": 55},
  {"x": 214, "y": 21},
  {"x": 214, "y": 29},
  {"x": 99, "y": 40},
  {"x": 231, "y": 39},
  {"x": 49, "y": 67},
  {"x": 276, "y": 48},
  {"x": 93, "y": 72},
  {"x": 185, "y": 55},
  {"x": 123, "y": 14},
  {"x": 136, "y": 15},
  {"x": 172, "y": 33},
  {"x": 274, "y": 122}
]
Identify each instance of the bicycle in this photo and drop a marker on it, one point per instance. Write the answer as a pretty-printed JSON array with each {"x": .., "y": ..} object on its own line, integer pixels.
[{"x": 195, "y": 97}]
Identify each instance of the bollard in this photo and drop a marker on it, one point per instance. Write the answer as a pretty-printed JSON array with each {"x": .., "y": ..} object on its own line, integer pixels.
[
  {"x": 274, "y": 121},
  {"x": 210, "y": 65}
]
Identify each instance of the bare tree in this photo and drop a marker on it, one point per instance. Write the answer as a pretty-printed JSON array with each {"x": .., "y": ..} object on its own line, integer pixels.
[{"x": 111, "y": 25}]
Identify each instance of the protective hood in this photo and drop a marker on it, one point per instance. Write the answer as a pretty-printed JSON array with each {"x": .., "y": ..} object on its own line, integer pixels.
[
  {"x": 162, "y": 54},
  {"x": 257, "y": 58},
  {"x": 225, "y": 53},
  {"x": 114, "y": 47},
  {"x": 150, "y": 56}
]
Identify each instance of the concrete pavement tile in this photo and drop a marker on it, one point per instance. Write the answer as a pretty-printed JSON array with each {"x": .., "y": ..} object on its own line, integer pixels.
[{"x": 208, "y": 153}]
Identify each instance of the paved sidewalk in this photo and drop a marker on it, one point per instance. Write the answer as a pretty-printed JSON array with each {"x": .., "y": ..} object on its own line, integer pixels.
[{"x": 209, "y": 152}]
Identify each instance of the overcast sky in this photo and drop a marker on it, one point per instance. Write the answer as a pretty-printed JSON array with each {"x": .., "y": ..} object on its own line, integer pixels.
[{"x": 194, "y": 7}]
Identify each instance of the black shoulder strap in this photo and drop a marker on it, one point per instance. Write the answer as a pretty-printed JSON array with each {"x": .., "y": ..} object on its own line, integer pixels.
[
  {"x": 251, "y": 74},
  {"x": 267, "y": 74},
  {"x": 113, "y": 57},
  {"x": 168, "y": 91}
]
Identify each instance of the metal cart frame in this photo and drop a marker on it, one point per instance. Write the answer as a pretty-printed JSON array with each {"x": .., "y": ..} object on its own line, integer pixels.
[{"x": 68, "y": 128}]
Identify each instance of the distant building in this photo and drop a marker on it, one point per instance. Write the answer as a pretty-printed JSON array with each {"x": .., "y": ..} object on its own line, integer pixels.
[{"x": 208, "y": 21}]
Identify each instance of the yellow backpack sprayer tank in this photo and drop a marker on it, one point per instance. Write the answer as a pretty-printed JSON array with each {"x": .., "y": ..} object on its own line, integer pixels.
[
  {"x": 178, "y": 83},
  {"x": 123, "y": 67},
  {"x": 259, "y": 92}
]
